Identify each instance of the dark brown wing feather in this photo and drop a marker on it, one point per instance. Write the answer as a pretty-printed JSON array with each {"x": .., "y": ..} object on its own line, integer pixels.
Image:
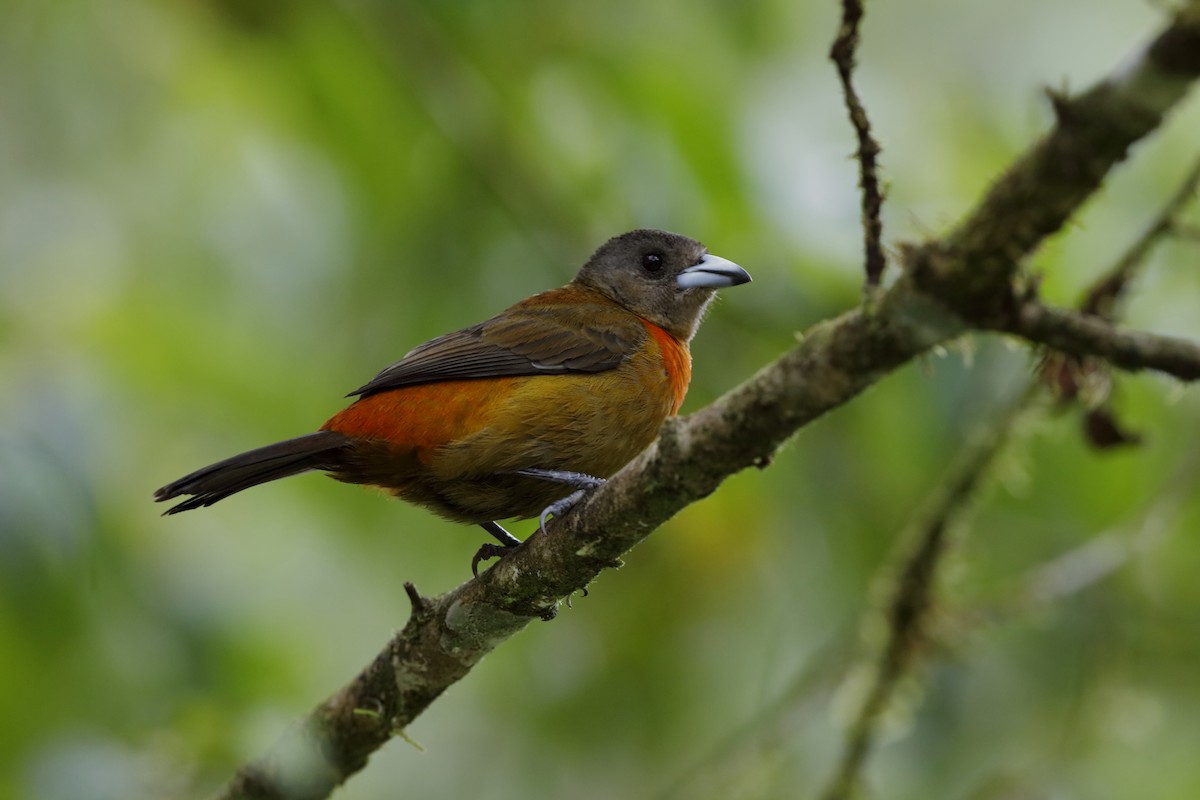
[{"x": 554, "y": 332}]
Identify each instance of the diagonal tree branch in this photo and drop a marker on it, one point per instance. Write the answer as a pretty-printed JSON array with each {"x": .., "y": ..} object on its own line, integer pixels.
[
  {"x": 447, "y": 635},
  {"x": 911, "y": 592},
  {"x": 1051, "y": 180},
  {"x": 955, "y": 279}
]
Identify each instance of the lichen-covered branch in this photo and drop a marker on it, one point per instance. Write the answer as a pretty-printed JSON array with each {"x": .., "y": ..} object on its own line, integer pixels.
[{"x": 962, "y": 281}]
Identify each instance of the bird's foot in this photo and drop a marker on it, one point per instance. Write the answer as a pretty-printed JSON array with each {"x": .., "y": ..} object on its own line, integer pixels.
[
  {"x": 488, "y": 550},
  {"x": 560, "y": 507},
  {"x": 582, "y": 483},
  {"x": 577, "y": 480},
  {"x": 582, "y": 593}
]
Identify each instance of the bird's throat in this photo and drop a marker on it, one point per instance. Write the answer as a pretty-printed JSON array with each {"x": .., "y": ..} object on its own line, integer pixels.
[{"x": 677, "y": 359}]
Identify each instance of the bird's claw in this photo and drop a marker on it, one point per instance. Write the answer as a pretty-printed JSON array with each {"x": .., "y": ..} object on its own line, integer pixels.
[
  {"x": 560, "y": 507},
  {"x": 582, "y": 483},
  {"x": 486, "y": 552}
]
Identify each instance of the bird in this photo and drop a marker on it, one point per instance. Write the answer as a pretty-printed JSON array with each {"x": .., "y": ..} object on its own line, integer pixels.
[{"x": 491, "y": 422}]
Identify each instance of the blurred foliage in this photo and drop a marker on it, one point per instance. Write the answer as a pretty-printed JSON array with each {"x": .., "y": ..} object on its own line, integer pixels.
[{"x": 215, "y": 218}]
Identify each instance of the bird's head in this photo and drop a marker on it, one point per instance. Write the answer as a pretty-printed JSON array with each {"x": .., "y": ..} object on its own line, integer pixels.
[{"x": 664, "y": 278}]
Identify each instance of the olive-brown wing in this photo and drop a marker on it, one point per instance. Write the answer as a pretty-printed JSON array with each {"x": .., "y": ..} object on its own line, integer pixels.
[{"x": 565, "y": 330}]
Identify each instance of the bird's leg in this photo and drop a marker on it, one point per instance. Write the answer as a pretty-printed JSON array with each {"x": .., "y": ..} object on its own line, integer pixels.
[
  {"x": 502, "y": 536},
  {"x": 580, "y": 481},
  {"x": 488, "y": 551}
]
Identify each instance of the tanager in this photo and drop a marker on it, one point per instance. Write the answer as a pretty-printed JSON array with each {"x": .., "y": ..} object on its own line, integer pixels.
[{"x": 490, "y": 422}]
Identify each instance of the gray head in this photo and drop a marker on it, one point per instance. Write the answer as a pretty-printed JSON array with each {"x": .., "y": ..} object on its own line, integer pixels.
[{"x": 662, "y": 277}]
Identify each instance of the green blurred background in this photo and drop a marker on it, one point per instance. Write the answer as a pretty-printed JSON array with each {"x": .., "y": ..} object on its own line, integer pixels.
[{"x": 217, "y": 217}]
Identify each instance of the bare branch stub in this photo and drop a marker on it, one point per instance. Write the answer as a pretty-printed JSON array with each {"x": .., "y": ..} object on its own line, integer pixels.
[
  {"x": 842, "y": 53},
  {"x": 419, "y": 604}
]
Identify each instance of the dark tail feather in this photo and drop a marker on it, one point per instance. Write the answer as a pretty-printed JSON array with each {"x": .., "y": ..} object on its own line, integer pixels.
[{"x": 218, "y": 481}]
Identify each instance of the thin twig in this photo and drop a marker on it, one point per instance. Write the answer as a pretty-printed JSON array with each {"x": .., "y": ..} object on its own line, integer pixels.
[
  {"x": 1101, "y": 300},
  {"x": 911, "y": 594},
  {"x": 842, "y": 53}
]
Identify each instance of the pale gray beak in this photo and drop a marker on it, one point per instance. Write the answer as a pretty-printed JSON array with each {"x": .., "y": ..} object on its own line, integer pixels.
[{"x": 713, "y": 272}]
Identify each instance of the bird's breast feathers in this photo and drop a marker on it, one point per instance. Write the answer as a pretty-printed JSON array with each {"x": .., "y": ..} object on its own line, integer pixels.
[{"x": 677, "y": 361}]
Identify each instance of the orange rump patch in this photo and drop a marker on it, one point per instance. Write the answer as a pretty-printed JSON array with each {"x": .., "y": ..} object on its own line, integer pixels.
[{"x": 424, "y": 417}]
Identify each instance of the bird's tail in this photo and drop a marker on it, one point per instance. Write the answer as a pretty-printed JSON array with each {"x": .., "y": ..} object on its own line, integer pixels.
[{"x": 217, "y": 481}]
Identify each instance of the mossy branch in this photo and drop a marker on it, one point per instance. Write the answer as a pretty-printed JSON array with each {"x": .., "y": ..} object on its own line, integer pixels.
[{"x": 965, "y": 280}]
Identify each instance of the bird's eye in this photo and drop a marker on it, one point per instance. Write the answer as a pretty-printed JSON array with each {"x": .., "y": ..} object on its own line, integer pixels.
[{"x": 652, "y": 262}]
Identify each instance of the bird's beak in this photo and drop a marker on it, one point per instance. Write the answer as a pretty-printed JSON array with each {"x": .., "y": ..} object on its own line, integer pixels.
[{"x": 713, "y": 272}]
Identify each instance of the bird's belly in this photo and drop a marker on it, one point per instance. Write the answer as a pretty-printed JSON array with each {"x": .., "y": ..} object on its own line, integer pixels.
[{"x": 593, "y": 424}]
